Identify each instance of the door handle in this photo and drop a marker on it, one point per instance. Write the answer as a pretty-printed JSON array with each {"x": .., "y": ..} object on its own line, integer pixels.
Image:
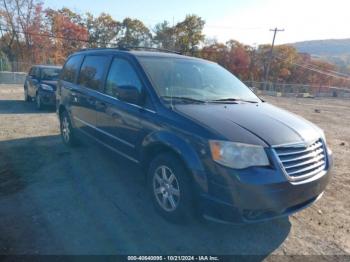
[
  {"x": 91, "y": 100},
  {"x": 100, "y": 105}
]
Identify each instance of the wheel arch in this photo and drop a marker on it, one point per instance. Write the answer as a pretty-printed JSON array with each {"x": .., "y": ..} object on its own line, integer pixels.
[{"x": 162, "y": 142}]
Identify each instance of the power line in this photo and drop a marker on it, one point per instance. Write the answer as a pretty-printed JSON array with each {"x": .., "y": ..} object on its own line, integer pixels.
[
  {"x": 322, "y": 72},
  {"x": 316, "y": 70},
  {"x": 328, "y": 70},
  {"x": 271, "y": 52}
]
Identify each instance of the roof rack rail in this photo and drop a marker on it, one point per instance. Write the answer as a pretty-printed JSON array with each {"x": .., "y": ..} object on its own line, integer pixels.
[
  {"x": 130, "y": 48},
  {"x": 154, "y": 49},
  {"x": 101, "y": 48}
]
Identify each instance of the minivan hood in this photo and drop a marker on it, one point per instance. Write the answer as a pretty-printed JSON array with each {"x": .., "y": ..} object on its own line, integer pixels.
[{"x": 269, "y": 123}]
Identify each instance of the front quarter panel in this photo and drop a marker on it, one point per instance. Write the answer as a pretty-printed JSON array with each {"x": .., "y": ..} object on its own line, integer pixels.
[{"x": 184, "y": 148}]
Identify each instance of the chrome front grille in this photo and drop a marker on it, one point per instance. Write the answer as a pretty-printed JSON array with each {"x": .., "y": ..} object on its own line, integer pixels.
[{"x": 302, "y": 161}]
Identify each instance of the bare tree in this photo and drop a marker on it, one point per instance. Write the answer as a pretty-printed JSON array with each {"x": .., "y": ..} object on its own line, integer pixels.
[{"x": 16, "y": 17}]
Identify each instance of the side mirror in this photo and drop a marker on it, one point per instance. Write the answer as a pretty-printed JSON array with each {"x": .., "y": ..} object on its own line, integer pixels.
[
  {"x": 35, "y": 80},
  {"x": 129, "y": 94}
]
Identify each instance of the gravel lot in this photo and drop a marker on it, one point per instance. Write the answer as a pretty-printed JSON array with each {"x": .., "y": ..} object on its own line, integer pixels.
[{"x": 54, "y": 200}]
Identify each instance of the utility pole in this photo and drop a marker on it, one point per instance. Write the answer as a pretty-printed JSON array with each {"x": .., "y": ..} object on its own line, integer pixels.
[{"x": 270, "y": 56}]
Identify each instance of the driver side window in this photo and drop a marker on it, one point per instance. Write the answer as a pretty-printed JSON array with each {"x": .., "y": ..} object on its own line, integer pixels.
[
  {"x": 37, "y": 73},
  {"x": 121, "y": 75}
]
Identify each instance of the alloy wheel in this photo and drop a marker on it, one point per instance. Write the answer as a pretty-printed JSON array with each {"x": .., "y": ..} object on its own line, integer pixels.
[
  {"x": 166, "y": 188},
  {"x": 38, "y": 101},
  {"x": 65, "y": 129}
]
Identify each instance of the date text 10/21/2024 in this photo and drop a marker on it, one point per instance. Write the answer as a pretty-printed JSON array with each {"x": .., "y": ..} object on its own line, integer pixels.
[{"x": 173, "y": 258}]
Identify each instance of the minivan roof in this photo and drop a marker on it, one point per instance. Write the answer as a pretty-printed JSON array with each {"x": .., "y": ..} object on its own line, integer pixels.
[
  {"x": 48, "y": 66},
  {"x": 136, "y": 53}
]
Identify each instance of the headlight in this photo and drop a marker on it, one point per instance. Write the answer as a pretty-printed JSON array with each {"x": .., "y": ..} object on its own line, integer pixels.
[
  {"x": 237, "y": 155},
  {"x": 46, "y": 87}
]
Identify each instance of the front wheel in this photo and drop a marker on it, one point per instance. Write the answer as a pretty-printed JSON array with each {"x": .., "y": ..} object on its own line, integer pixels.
[
  {"x": 171, "y": 188},
  {"x": 38, "y": 103},
  {"x": 27, "y": 98}
]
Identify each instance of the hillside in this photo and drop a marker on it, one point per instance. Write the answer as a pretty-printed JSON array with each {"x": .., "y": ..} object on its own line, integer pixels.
[
  {"x": 330, "y": 47},
  {"x": 336, "y": 51}
]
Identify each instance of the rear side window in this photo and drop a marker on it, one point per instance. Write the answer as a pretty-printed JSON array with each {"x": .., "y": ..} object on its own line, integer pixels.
[
  {"x": 71, "y": 68},
  {"x": 121, "y": 74},
  {"x": 92, "y": 71}
]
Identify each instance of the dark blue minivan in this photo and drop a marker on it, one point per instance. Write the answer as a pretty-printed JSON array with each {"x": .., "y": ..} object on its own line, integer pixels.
[{"x": 207, "y": 143}]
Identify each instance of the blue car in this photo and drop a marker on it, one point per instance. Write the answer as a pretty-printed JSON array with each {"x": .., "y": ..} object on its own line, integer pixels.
[
  {"x": 207, "y": 143},
  {"x": 40, "y": 85}
]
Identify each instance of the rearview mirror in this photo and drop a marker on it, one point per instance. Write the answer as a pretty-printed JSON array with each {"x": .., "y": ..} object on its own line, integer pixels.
[{"x": 129, "y": 94}]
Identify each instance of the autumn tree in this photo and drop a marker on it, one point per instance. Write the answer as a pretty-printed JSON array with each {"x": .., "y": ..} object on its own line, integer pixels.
[
  {"x": 102, "y": 30},
  {"x": 189, "y": 34},
  {"x": 299, "y": 75},
  {"x": 164, "y": 35},
  {"x": 38, "y": 37},
  {"x": 318, "y": 80},
  {"x": 71, "y": 15},
  {"x": 254, "y": 68},
  {"x": 34, "y": 35},
  {"x": 238, "y": 60},
  {"x": 134, "y": 33},
  {"x": 215, "y": 52},
  {"x": 69, "y": 34},
  {"x": 16, "y": 18},
  {"x": 282, "y": 63},
  {"x": 233, "y": 55}
]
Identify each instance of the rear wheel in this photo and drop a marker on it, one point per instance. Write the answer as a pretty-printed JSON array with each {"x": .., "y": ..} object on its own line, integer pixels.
[
  {"x": 67, "y": 132},
  {"x": 38, "y": 103},
  {"x": 171, "y": 188}
]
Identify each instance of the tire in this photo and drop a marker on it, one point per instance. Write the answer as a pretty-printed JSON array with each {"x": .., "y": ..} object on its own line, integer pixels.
[
  {"x": 38, "y": 103},
  {"x": 27, "y": 98},
  {"x": 67, "y": 131},
  {"x": 171, "y": 194}
]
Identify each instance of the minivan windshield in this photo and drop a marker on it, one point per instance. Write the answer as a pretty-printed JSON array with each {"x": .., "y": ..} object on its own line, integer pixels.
[
  {"x": 191, "y": 81},
  {"x": 50, "y": 73}
]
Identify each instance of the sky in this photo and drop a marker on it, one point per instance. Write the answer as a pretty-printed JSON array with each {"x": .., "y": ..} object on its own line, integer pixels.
[{"x": 248, "y": 21}]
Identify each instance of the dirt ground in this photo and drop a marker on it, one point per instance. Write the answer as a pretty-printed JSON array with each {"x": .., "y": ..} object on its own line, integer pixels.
[{"x": 55, "y": 200}]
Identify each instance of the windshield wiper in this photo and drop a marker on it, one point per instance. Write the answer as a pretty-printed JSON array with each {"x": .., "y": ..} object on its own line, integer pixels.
[
  {"x": 233, "y": 100},
  {"x": 184, "y": 99}
]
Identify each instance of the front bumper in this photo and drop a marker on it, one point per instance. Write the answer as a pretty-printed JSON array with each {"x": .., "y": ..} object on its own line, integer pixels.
[
  {"x": 47, "y": 97},
  {"x": 258, "y": 194}
]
